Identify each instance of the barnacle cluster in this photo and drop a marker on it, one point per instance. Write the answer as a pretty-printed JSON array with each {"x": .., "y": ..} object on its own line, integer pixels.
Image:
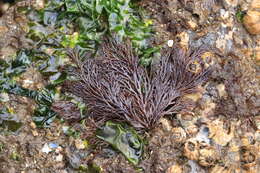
[
  {"x": 201, "y": 152},
  {"x": 114, "y": 86}
]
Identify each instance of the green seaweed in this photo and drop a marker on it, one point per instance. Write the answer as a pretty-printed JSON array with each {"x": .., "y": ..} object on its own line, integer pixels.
[
  {"x": 124, "y": 139},
  {"x": 240, "y": 14},
  {"x": 15, "y": 156},
  {"x": 43, "y": 115},
  {"x": 82, "y": 23}
]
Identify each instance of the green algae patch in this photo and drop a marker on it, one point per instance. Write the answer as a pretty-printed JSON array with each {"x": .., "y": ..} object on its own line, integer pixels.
[{"x": 124, "y": 139}]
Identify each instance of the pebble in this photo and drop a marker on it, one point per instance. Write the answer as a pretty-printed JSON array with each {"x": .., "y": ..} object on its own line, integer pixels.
[
  {"x": 39, "y": 4},
  {"x": 33, "y": 125},
  {"x": 58, "y": 149},
  {"x": 170, "y": 43},
  {"x": 59, "y": 158},
  {"x": 53, "y": 145},
  {"x": 221, "y": 90},
  {"x": 46, "y": 148},
  {"x": 192, "y": 24},
  {"x": 49, "y": 147},
  {"x": 224, "y": 14}
]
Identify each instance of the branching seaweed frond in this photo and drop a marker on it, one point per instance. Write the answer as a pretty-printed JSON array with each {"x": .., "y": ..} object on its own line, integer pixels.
[{"x": 115, "y": 86}]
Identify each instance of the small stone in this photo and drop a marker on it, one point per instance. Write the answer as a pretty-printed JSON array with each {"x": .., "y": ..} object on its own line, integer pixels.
[
  {"x": 170, "y": 43},
  {"x": 221, "y": 90},
  {"x": 224, "y": 14},
  {"x": 46, "y": 148},
  {"x": 58, "y": 149},
  {"x": 5, "y": 6},
  {"x": 65, "y": 129},
  {"x": 53, "y": 145},
  {"x": 39, "y": 4},
  {"x": 192, "y": 24},
  {"x": 33, "y": 125},
  {"x": 49, "y": 147},
  {"x": 59, "y": 158}
]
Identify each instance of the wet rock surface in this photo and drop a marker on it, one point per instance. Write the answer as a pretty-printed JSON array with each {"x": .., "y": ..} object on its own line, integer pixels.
[{"x": 219, "y": 135}]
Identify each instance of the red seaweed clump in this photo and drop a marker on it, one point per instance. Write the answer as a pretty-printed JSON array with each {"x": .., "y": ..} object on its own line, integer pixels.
[{"x": 115, "y": 86}]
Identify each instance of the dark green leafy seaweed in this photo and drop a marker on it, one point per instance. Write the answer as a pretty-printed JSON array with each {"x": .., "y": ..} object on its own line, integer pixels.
[{"x": 9, "y": 69}]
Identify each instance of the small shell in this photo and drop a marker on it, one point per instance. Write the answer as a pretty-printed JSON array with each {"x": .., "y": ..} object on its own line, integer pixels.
[{"x": 252, "y": 18}]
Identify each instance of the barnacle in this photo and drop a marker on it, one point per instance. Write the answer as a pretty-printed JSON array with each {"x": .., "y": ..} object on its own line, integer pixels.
[
  {"x": 201, "y": 152},
  {"x": 114, "y": 86},
  {"x": 191, "y": 149},
  {"x": 178, "y": 134},
  {"x": 252, "y": 18},
  {"x": 248, "y": 156},
  {"x": 207, "y": 155},
  {"x": 174, "y": 169}
]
